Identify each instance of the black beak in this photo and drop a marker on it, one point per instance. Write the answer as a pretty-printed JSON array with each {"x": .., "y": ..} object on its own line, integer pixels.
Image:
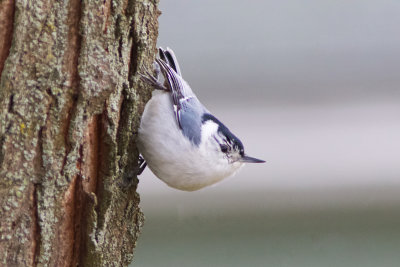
[{"x": 248, "y": 159}]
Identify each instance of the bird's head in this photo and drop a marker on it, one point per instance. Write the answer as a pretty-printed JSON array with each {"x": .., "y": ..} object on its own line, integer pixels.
[{"x": 225, "y": 146}]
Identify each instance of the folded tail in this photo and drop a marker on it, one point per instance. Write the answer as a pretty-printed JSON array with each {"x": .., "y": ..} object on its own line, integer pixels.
[{"x": 169, "y": 57}]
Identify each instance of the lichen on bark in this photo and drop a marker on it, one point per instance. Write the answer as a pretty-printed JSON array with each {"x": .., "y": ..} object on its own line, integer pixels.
[{"x": 70, "y": 106}]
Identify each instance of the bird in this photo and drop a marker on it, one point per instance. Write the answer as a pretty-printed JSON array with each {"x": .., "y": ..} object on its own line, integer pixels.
[{"x": 181, "y": 141}]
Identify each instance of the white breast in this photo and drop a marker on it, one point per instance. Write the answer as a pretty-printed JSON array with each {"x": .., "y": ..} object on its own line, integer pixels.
[{"x": 171, "y": 156}]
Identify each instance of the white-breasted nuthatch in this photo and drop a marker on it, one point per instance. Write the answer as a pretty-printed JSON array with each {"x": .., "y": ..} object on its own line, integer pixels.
[{"x": 182, "y": 142}]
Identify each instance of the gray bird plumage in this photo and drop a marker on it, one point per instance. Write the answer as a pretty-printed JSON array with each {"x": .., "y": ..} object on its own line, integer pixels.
[
  {"x": 183, "y": 144},
  {"x": 188, "y": 109}
]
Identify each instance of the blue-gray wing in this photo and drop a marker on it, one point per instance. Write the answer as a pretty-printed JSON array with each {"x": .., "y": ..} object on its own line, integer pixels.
[
  {"x": 188, "y": 109},
  {"x": 189, "y": 119}
]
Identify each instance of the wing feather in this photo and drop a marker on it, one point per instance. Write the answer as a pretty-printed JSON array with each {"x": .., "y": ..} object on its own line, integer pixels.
[{"x": 187, "y": 108}]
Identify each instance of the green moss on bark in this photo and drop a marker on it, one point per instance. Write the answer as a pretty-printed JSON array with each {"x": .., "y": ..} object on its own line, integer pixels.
[{"x": 70, "y": 105}]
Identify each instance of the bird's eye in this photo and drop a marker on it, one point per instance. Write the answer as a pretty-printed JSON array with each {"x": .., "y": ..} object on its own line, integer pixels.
[{"x": 224, "y": 148}]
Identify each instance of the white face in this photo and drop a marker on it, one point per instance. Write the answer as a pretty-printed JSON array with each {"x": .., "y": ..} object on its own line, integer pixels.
[
  {"x": 219, "y": 146},
  {"x": 227, "y": 149}
]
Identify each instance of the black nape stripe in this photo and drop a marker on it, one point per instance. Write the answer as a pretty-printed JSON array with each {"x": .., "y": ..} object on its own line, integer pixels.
[{"x": 225, "y": 131}]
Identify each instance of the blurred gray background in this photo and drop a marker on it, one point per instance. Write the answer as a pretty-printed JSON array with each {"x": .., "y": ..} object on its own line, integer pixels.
[{"x": 312, "y": 87}]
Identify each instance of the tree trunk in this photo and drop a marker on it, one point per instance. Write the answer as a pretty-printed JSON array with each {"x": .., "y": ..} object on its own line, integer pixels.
[{"x": 70, "y": 106}]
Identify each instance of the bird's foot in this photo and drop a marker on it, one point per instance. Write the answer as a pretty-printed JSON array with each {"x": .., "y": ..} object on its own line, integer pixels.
[
  {"x": 128, "y": 177},
  {"x": 154, "y": 81}
]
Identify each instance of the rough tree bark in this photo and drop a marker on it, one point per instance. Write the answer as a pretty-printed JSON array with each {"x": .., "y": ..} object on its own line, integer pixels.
[{"x": 70, "y": 104}]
